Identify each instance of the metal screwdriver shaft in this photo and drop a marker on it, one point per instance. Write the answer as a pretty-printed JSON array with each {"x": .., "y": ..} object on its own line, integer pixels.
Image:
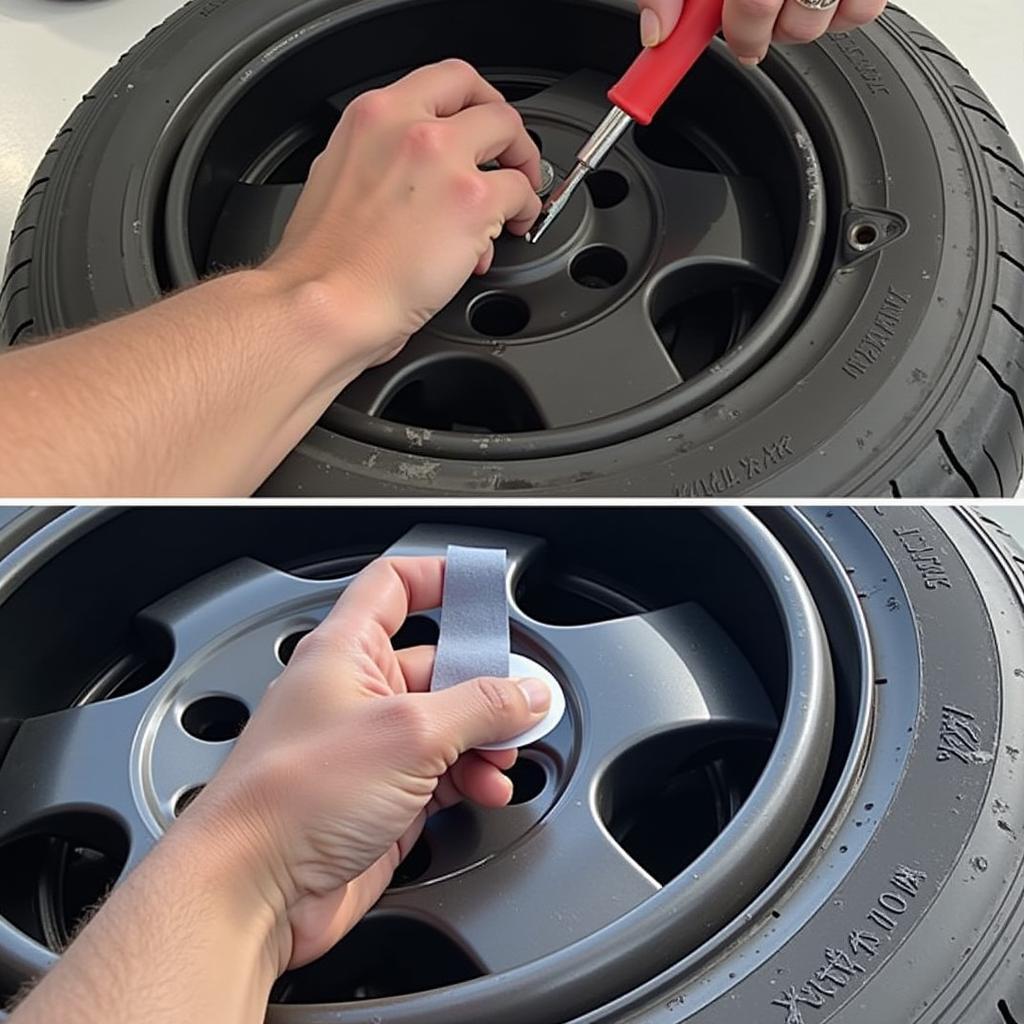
[
  {"x": 638, "y": 96},
  {"x": 598, "y": 146}
]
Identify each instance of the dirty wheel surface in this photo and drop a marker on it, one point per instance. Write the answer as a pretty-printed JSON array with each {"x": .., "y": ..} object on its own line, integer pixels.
[{"x": 803, "y": 280}]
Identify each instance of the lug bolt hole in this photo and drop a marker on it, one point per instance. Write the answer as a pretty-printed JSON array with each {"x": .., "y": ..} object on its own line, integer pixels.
[
  {"x": 286, "y": 648},
  {"x": 599, "y": 267},
  {"x": 607, "y": 188},
  {"x": 181, "y": 804},
  {"x": 528, "y": 780},
  {"x": 863, "y": 236},
  {"x": 215, "y": 719},
  {"x": 498, "y": 315}
]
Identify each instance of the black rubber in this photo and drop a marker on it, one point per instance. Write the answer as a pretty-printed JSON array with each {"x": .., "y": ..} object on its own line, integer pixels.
[
  {"x": 904, "y": 902},
  {"x": 905, "y": 379}
]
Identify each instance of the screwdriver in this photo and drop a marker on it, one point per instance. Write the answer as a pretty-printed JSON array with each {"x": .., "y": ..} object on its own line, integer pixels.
[{"x": 637, "y": 97}]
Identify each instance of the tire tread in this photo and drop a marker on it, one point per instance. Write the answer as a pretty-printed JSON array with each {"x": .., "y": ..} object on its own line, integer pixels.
[
  {"x": 16, "y": 318},
  {"x": 978, "y": 448}
]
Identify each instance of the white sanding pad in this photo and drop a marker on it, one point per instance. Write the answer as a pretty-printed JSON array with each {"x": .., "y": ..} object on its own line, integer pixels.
[{"x": 521, "y": 667}]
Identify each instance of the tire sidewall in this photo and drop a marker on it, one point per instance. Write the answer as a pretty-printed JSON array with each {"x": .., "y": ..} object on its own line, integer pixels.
[{"x": 945, "y": 626}]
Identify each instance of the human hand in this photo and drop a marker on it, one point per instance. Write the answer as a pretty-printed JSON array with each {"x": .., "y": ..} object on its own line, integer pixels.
[
  {"x": 331, "y": 782},
  {"x": 396, "y": 214},
  {"x": 751, "y": 25}
]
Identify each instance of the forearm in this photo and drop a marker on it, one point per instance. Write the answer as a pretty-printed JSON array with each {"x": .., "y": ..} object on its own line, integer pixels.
[
  {"x": 187, "y": 937},
  {"x": 201, "y": 394}
]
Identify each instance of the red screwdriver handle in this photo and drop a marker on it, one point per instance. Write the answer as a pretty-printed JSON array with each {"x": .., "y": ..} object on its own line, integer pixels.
[{"x": 655, "y": 74}]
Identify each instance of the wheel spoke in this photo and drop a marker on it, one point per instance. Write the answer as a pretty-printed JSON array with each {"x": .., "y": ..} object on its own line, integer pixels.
[
  {"x": 717, "y": 219},
  {"x": 670, "y": 671},
  {"x": 240, "y": 609},
  {"x": 226, "y": 628},
  {"x": 370, "y": 392},
  {"x": 566, "y": 882},
  {"x": 581, "y": 96},
  {"x": 612, "y": 365},
  {"x": 71, "y": 772},
  {"x": 67, "y": 773},
  {"x": 251, "y": 223}
]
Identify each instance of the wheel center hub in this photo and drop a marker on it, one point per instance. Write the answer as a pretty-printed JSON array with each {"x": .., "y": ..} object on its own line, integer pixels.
[
  {"x": 595, "y": 253},
  {"x": 512, "y": 253},
  {"x": 188, "y": 724}
]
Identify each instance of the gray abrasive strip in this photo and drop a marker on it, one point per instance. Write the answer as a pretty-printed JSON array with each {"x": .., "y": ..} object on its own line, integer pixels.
[{"x": 474, "y": 638}]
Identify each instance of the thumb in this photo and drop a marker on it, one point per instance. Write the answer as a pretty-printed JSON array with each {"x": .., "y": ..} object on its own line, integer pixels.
[
  {"x": 658, "y": 19},
  {"x": 489, "y": 710}
]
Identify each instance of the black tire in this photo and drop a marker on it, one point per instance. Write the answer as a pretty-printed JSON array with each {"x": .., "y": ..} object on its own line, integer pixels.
[
  {"x": 907, "y": 384},
  {"x": 919, "y": 858}
]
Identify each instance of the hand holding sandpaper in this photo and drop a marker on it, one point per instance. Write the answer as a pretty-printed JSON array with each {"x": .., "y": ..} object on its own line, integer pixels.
[{"x": 474, "y": 639}]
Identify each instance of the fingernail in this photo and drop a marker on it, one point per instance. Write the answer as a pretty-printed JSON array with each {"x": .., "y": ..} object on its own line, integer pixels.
[
  {"x": 538, "y": 696},
  {"x": 650, "y": 27},
  {"x": 750, "y": 62}
]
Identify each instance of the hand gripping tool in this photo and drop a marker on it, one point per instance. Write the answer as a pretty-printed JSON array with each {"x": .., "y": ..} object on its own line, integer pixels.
[{"x": 637, "y": 97}]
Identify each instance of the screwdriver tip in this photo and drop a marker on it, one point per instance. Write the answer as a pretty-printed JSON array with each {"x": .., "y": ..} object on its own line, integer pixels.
[
  {"x": 534, "y": 235},
  {"x": 556, "y": 202}
]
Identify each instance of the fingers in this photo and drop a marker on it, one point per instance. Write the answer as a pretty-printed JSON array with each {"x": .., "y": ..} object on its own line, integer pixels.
[
  {"x": 446, "y": 88},
  {"x": 480, "y": 781},
  {"x": 474, "y": 777},
  {"x": 417, "y": 666},
  {"x": 854, "y": 13},
  {"x": 495, "y": 131},
  {"x": 385, "y": 593},
  {"x": 658, "y": 18},
  {"x": 799, "y": 24},
  {"x": 503, "y": 759},
  {"x": 484, "y": 264},
  {"x": 518, "y": 205},
  {"x": 486, "y": 711},
  {"x": 749, "y": 26}
]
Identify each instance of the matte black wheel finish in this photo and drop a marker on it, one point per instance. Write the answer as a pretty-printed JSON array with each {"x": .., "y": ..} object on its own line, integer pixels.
[
  {"x": 693, "y": 328},
  {"x": 584, "y": 339}
]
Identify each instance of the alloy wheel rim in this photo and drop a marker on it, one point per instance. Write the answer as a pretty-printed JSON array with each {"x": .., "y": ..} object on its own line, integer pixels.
[
  {"x": 624, "y": 367},
  {"x": 573, "y": 754}
]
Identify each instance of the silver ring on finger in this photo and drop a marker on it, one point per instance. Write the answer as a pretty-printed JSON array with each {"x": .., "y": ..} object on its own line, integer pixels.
[{"x": 818, "y": 5}]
